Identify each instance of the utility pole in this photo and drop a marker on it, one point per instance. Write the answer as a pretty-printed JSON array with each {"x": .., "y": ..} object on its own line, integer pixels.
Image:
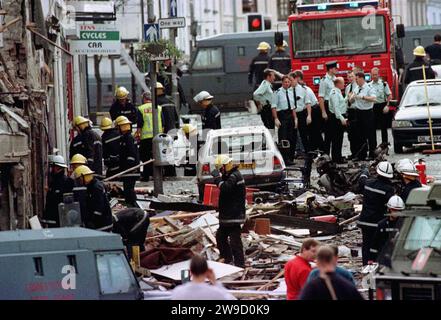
[
  {"x": 173, "y": 34},
  {"x": 132, "y": 55},
  {"x": 142, "y": 18},
  {"x": 234, "y": 15},
  {"x": 157, "y": 171}
]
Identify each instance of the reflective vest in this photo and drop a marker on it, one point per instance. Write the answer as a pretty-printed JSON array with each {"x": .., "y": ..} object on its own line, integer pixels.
[{"x": 147, "y": 129}]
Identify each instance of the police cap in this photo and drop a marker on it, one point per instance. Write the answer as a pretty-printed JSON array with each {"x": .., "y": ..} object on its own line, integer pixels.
[{"x": 331, "y": 64}]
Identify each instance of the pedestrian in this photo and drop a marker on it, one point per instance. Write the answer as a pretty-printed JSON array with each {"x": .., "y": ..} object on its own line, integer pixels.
[
  {"x": 315, "y": 128},
  {"x": 92, "y": 147},
  {"x": 326, "y": 85},
  {"x": 342, "y": 272},
  {"x": 122, "y": 106},
  {"x": 363, "y": 100},
  {"x": 414, "y": 70},
  {"x": 381, "y": 106},
  {"x": 281, "y": 62},
  {"x": 59, "y": 185},
  {"x": 165, "y": 77},
  {"x": 110, "y": 139},
  {"x": 258, "y": 65},
  {"x": 387, "y": 227},
  {"x": 131, "y": 225},
  {"x": 303, "y": 109},
  {"x": 329, "y": 285},
  {"x": 352, "y": 128},
  {"x": 145, "y": 133},
  {"x": 198, "y": 288},
  {"x": 263, "y": 96},
  {"x": 98, "y": 214},
  {"x": 285, "y": 118},
  {"x": 170, "y": 118},
  {"x": 128, "y": 158},
  {"x": 297, "y": 270},
  {"x": 376, "y": 194},
  {"x": 191, "y": 151},
  {"x": 232, "y": 198},
  {"x": 434, "y": 50},
  {"x": 211, "y": 118},
  {"x": 409, "y": 176},
  {"x": 337, "y": 119}
]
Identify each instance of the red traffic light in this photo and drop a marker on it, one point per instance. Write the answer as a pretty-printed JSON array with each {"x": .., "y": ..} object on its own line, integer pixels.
[{"x": 256, "y": 23}]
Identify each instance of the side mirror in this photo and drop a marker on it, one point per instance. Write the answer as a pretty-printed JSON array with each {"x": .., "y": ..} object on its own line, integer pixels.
[
  {"x": 401, "y": 31},
  {"x": 393, "y": 103}
]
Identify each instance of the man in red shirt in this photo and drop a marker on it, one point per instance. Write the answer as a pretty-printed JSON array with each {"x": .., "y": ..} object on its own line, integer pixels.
[{"x": 297, "y": 270}]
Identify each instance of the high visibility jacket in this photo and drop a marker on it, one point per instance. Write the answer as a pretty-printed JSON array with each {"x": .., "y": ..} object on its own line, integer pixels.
[{"x": 147, "y": 128}]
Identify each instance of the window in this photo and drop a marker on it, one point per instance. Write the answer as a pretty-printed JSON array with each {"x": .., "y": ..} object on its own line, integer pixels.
[
  {"x": 208, "y": 58},
  {"x": 340, "y": 36},
  {"x": 241, "y": 51},
  {"x": 114, "y": 273},
  {"x": 38, "y": 266},
  {"x": 249, "y": 6},
  {"x": 72, "y": 260},
  {"x": 238, "y": 144},
  {"x": 416, "y": 96},
  {"x": 424, "y": 232},
  {"x": 283, "y": 10}
]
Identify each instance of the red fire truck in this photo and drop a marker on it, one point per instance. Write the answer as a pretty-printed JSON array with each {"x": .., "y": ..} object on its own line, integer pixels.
[{"x": 351, "y": 33}]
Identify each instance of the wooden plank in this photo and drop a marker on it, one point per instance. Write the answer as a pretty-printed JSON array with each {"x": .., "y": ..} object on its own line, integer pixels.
[
  {"x": 181, "y": 216},
  {"x": 171, "y": 223},
  {"x": 210, "y": 236},
  {"x": 302, "y": 223},
  {"x": 279, "y": 275}
]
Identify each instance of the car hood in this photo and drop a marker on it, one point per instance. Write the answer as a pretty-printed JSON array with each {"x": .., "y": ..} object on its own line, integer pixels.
[{"x": 417, "y": 113}]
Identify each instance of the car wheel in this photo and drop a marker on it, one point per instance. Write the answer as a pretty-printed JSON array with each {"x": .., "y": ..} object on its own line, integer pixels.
[{"x": 398, "y": 148}]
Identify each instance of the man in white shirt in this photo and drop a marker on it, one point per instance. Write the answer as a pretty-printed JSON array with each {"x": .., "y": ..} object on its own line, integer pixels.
[{"x": 198, "y": 288}]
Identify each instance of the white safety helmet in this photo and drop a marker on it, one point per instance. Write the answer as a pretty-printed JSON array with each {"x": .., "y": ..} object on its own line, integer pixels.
[
  {"x": 385, "y": 169},
  {"x": 203, "y": 95},
  {"x": 407, "y": 167},
  {"x": 396, "y": 203},
  {"x": 59, "y": 161}
]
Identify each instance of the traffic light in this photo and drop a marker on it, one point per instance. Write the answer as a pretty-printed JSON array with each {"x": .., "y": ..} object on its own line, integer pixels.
[{"x": 255, "y": 22}]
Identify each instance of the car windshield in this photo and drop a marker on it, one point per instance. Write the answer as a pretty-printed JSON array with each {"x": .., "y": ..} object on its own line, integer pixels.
[
  {"x": 246, "y": 143},
  {"x": 415, "y": 96},
  {"x": 340, "y": 36},
  {"x": 424, "y": 232}
]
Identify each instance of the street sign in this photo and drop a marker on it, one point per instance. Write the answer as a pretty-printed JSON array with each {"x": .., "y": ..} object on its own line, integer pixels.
[
  {"x": 171, "y": 23},
  {"x": 96, "y": 39},
  {"x": 151, "y": 32},
  {"x": 173, "y": 8}
]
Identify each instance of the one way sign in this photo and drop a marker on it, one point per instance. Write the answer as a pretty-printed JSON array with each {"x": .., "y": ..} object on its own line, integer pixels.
[{"x": 151, "y": 32}]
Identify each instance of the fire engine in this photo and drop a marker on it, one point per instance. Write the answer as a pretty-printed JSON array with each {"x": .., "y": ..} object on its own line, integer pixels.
[{"x": 351, "y": 33}]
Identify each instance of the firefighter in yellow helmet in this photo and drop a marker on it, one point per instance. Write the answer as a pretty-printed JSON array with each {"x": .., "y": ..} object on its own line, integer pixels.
[
  {"x": 145, "y": 133},
  {"x": 90, "y": 145},
  {"x": 232, "y": 199},
  {"x": 77, "y": 160},
  {"x": 128, "y": 158},
  {"x": 259, "y": 64},
  {"x": 122, "y": 106},
  {"x": 76, "y": 145},
  {"x": 110, "y": 139},
  {"x": 98, "y": 214},
  {"x": 414, "y": 70}
]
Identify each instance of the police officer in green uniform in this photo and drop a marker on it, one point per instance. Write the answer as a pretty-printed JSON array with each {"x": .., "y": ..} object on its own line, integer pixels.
[{"x": 381, "y": 108}]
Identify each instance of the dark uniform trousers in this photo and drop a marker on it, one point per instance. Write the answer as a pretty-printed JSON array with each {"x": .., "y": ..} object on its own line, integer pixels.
[
  {"x": 381, "y": 121},
  {"x": 287, "y": 132},
  {"x": 337, "y": 130},
  {"x": 267, "y": 116},
  {"x": 229, "y": 244},
  {"x": 327, "y": 128},
  {"x": 353, "y": 131},
  {"x": 303, "y": 129},
  {"x": 368, "y": 136},
  {"x": 316, "y": 127},
  {"x": 145, "y": 154}
]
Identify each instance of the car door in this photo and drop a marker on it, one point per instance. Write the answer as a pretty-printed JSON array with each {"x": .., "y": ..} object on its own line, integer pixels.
[{"x": 207, "y": 73}]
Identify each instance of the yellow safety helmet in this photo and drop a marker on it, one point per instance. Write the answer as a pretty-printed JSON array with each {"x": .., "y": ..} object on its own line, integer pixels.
[
  {"x": 121, "y": 93},
  {"x": 159, "y": 85},
  {"x": 82, "y": 171},
  {"x": 188, "y": 128},
  {"x": 78, "y": 159},
  {"x": 419, "y": 51},
  {"x": 222, "y": 160},
  {"x": 106, "y": 123},
  {"x": 80, "y": 120},
  {"x": 264, "y": 46},
  {"x": 122, "y": 120}
]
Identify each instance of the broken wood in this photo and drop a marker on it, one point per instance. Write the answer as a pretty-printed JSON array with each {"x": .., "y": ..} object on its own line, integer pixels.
[
  {"x": 181, "y": 216},
  {"x": 166, "y": 235},
  {"x": 210, "y": 236},
  {"x": 157, "y": 283},
  {"x": 128, "y": 170},
  {"x": 279, "y": 275},
  {"x": 354, "y": 218},
  {"x": 302, "y": 223},
  {"x": 8, "y": 24},
  {"x": 171, "y": 223},
  {"x": 30, "y": 28}
]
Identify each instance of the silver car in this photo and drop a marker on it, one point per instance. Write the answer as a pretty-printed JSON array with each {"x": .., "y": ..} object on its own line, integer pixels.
[
  {"x": 410, "y": 127},
  {"x": 252, "y": 148}
]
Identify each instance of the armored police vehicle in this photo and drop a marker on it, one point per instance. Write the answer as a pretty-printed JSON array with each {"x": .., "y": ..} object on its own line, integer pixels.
[
  {"x": 220, "y": 66},
  {"x": 65, "y": 264},
  {"x": 410, "y": 268}
]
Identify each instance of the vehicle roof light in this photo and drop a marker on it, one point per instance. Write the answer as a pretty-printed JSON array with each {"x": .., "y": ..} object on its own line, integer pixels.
[{"x": 337, "y": 6}]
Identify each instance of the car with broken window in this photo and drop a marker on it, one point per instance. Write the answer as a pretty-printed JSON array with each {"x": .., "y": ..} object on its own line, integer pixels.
[
  {"x": 410, "y": 126},
  {"x": 252, "y": 149},
  {"x": 410, "y": 265}
]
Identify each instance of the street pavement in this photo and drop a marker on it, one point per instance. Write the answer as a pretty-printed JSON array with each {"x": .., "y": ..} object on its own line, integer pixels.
[{"x": 183, "y": 184}]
